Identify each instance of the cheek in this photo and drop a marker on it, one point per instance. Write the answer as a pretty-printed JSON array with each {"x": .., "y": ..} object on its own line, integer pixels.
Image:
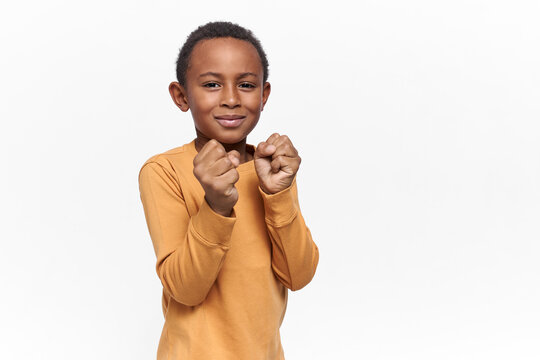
[
  {"x": 253, "y": 102},
  {"x": 204, "y": 101}
]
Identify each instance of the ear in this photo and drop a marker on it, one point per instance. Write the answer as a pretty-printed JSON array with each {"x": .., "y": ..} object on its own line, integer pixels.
[
  {"x": 179, "y": 95},
  {"x": 266, "y": 94}
]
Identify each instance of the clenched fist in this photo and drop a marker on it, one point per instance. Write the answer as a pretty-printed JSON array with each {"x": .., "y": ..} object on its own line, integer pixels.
[
  {"x": 276, "y": 163},
  {"x": 215, "y": 168}
]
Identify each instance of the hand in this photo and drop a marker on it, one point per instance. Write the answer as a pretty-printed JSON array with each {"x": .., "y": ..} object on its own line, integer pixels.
[
  {"x": 276, "y": 163},
  {"x": 215, "y": 169}
]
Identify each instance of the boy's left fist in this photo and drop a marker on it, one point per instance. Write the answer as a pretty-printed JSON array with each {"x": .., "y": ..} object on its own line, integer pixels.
[{"x": 276, "y": 162}]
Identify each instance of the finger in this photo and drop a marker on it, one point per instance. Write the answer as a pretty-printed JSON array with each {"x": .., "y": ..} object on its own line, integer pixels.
[
  {"x": 284, "y": 163},
  {"x": 234, "y": 156},
  {"x": 272, "y": 138},
  {"x": 230, "y": 177},
  {"x": 211, "y": 151},
  {"x": 221, "y": 166},
  {"x": 275, "y": 165},
  {"x": 232, "y": 191},
  {"x": 285, "y": 147},
  {"x": 264, "y": 149}
]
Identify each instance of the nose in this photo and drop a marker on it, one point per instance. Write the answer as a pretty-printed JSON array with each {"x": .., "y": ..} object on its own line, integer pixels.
[{"x": 230, "y": 97}]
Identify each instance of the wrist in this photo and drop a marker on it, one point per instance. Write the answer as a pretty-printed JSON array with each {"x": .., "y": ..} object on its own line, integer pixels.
[
  {"x": 265, "y": 190},
  {"x": 276, "y": 188},
  {"x": 282, "y": 207},
  {"x": 221, "y": 210}
]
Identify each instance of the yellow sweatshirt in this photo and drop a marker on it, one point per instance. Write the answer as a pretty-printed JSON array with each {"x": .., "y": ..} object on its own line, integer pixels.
[{"x": 224, "y": 279}]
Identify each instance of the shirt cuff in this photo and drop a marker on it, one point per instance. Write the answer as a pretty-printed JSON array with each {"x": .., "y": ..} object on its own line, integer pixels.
[
  {"x": 280, "y": 208},
  {"x": 212, "y": 227}
]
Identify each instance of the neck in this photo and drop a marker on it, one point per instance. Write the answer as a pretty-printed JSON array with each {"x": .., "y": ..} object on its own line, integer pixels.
[{"x": 241, "y": 147}]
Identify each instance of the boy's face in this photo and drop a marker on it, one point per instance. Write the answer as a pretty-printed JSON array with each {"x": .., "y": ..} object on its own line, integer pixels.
[{"x": 224, "y": 89}]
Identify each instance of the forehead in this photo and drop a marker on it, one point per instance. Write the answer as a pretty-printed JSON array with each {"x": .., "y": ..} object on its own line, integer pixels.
[{"x": 224, "y": 55}]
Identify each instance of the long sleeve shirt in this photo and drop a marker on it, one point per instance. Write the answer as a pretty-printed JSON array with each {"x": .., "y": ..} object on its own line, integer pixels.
[{"x": 225, "y": 279}]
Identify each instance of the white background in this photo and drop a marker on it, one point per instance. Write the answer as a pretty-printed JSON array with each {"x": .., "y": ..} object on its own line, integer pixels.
[{"x": 418, "y": 126}]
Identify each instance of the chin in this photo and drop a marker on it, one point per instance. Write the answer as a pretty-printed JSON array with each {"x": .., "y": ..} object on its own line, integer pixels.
[
  {"x": 232, "y": 137},
  {"x": 231, "y": 140}
]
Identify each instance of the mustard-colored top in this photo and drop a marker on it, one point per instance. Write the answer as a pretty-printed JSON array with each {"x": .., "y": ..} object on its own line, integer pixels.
[{"x": 224, "y": 279}]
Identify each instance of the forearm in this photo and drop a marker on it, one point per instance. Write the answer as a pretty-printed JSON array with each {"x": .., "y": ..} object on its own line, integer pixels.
[
  {"x": 294, "y": 254},
  {"x": 191, "y": 269}
]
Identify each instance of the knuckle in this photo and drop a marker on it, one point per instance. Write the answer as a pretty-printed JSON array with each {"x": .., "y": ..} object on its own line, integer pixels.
[
  {"x": 261, "y": 145},
  {"x": 273, "y": 136},
  {"x": 230, "y": 175},
  {"x": 213, "y": 186},
  {"x": 203, "y": 179},
  {"x": 231, "y": 192}
]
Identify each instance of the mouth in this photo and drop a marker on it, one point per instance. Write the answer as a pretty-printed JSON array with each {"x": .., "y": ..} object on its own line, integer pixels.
[{"x": 230, "y": 121}]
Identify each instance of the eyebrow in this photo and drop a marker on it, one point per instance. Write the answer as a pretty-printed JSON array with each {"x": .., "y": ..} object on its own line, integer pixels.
[{"x": 243, "y": 75}]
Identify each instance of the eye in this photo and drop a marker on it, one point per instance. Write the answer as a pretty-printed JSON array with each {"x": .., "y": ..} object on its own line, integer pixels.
[
  {"x": 247, "y": 85},
  {"x": 211, "y": 84}
]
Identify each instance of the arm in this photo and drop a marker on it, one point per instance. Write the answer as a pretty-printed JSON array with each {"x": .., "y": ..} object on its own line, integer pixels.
[
  {"x": 294, "y": 254},
  {"x": 190, "y": 251}
]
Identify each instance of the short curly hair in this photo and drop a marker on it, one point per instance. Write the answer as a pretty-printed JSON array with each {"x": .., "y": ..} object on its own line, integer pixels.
[{"x": 212, "y": 30}]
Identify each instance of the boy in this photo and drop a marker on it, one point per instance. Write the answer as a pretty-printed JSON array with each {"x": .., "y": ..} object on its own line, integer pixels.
[{"x": 223, "y": 215}]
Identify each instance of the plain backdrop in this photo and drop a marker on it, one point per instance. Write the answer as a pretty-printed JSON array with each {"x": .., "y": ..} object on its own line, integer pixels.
[{"x": 418, "y": 123}]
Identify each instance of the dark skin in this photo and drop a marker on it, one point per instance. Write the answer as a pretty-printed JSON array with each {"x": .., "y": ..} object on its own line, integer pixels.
[{"x": 225, "y": 92}]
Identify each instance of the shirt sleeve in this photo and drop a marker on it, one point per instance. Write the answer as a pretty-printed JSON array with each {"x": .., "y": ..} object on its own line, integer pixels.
[
  {"x": 294, "y": 254},
  {"x": 190, "y": 250}
]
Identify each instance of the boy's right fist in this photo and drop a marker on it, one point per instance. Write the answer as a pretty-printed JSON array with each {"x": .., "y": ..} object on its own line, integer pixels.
[{"x": 215, "y": 168}]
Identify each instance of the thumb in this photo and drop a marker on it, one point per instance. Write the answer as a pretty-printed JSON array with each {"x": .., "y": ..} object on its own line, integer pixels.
[
  {"x": 264, "y": 150},
  {"x": 234, "y": 156}
]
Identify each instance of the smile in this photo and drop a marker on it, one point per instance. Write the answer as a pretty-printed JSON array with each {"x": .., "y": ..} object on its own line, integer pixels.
[{"x": 230, "y": 121}]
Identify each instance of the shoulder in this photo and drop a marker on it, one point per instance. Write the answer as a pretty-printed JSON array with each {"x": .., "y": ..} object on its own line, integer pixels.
[
  {"x": 172, "y": 161},
  {"x": 166, "y": 157}
]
